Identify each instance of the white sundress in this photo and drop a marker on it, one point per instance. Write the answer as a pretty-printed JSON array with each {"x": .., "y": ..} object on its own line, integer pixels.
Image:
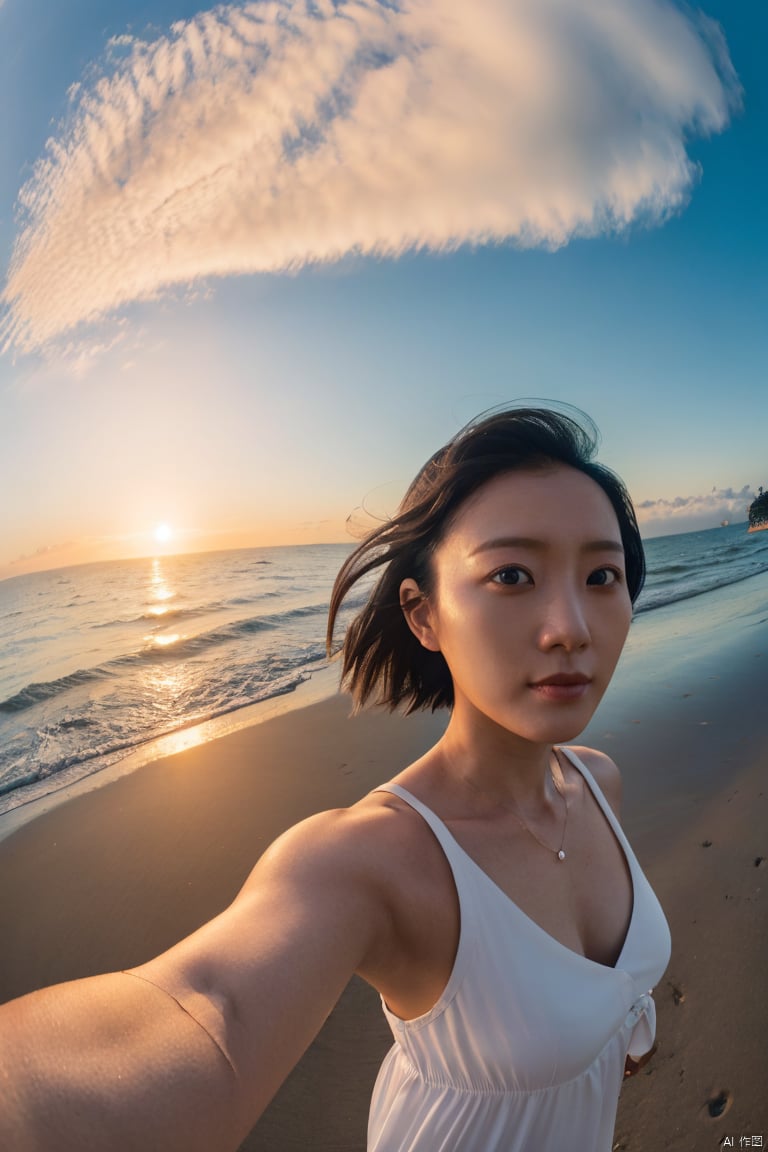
[{"x": 525, "y": 1049}]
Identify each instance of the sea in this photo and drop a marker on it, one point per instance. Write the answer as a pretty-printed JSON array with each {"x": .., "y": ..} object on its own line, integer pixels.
[{"x": 100, "y": 661}]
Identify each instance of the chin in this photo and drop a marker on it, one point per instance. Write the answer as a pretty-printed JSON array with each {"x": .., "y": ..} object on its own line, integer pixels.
[
  {"x": 558, "y": 729},
  {"x": 569, "y": 734},
  {"x": 553, "y": 733},
  {"x": 561, "y": 734}
]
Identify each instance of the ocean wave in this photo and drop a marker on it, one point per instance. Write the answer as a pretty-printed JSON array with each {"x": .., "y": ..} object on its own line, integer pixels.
[
  {"x": 252, "y": 625},
  {"x": 23, "y": 781},
  {"x": 190, "y": 613},
  {"x": 161, "y": 617},
  {"x": 731, "y": 550},
  {"x": 660, "y": 597},
  {"x": 670, "y": 570},
  {"x": 242, "y": 601},
  {"x": 158, "y": 649},
  {"x": 75, "y": 722},
  {"x": 17, "y": 786},
  {"x": 34, "y": 694}
]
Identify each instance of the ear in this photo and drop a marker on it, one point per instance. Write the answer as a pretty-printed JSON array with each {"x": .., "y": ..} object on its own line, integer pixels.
[{"x": 417, "y": 610}]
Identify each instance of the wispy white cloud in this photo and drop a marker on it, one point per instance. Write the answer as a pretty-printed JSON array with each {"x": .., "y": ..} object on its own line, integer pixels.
[
  {"x": 710, "y": 508},
  {"x": 271, "y": 134}
]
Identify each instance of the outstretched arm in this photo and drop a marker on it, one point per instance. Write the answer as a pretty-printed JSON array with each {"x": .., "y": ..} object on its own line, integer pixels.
[{"x": 186, "y": 1051}]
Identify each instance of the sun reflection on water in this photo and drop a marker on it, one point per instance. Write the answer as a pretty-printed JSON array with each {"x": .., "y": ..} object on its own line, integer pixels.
[
  {"x": 163, "y": 641},
  {"x": 159, "y": 588},
  {"x": 166, "y": 691}
]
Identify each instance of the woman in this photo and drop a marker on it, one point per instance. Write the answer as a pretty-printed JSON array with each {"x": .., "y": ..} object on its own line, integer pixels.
[{"x": 487, "y": 891}]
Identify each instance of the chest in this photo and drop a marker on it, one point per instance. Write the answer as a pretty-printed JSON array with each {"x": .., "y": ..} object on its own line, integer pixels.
[
  {"x": 584, "y": 901},
  {"x": 524, "y": 959}
]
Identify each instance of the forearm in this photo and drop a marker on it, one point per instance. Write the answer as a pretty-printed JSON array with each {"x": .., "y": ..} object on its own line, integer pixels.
[{"x": 113, "y": 1063}]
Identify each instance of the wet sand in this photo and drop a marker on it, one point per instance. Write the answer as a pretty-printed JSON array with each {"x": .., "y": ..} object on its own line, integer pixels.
[{"x": 111, "y": 877}]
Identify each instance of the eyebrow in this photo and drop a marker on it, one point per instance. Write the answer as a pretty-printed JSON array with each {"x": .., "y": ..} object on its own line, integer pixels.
[{"x": 530, "y": 542}]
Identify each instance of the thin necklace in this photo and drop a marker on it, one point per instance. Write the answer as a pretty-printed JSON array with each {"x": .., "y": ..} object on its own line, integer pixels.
[{"x": 559, "y": 853}]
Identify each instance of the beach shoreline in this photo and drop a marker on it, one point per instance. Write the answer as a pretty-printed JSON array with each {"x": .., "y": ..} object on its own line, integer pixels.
[
  {"x": 117, "y": 873},
  {"x": 321, "y": 684}
]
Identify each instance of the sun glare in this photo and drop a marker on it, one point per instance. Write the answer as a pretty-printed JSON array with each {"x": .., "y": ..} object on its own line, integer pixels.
[{"x": 163, "y": 533}]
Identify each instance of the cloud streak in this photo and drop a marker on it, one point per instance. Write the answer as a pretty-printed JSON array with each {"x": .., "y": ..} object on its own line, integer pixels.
[
  {"x": 268, "y": 135},
  {"x": 719, "y": 504}
]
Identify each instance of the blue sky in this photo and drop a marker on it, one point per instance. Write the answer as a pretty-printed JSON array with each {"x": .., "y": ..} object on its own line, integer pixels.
[{"x": 274, "y": 254}]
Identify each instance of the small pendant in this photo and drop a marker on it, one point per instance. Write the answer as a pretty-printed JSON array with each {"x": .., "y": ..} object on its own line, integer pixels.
[{"x": 561, "y": 855}]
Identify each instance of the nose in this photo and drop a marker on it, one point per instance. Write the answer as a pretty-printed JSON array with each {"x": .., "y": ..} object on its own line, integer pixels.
[{"x": 564, "y": 624}]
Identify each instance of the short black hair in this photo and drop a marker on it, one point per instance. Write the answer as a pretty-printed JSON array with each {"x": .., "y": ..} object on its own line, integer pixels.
[{"x": 380, "y": 654}]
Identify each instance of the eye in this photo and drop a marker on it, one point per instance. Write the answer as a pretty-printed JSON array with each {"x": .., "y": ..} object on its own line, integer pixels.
[
  {"x": 603, "y": 577},
  {"x": 511, "y": 576}
]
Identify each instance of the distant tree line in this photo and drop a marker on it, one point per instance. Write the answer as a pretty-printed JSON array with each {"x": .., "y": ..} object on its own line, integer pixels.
[{"x": 758, "y": 509}]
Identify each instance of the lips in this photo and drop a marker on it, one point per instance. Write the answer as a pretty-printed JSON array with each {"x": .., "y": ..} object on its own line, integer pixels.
[{"x": 564, "y": 687}]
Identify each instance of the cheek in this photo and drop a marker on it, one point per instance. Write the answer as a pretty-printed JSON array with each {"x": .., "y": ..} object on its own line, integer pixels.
[{"x": 474, "y": 632}]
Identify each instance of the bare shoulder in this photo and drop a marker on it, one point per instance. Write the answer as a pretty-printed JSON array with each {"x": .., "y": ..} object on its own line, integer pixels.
[
  {"x": 362, "y": 844},
  {"x": 605, "y": 772},
  {"x": 334, "y": 878}
]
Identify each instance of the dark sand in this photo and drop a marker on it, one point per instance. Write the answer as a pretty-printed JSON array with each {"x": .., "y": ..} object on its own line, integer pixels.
[{"x": 110, "y": 878}]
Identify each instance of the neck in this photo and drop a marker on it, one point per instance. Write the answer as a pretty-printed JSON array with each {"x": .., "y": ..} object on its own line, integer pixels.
[{"x": 495, "y": 763}]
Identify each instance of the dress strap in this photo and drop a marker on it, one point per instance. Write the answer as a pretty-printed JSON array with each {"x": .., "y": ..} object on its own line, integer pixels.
[
  {"x": 469, "y": 900},
  {"x": 446, "y": 840},
  {"x": 603, "y": 804}
]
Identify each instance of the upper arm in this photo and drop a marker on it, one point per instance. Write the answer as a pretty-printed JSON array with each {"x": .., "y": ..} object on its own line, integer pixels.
[
  {"x": 605, "y": 773},
  {"x": 263, "y": 976}
]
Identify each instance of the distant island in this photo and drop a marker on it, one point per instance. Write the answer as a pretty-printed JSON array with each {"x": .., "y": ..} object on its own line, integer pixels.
[{"x": 758, "y": 512}]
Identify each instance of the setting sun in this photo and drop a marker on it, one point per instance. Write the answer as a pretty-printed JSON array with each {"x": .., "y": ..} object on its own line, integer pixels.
[{"x": 163, "y": 533}]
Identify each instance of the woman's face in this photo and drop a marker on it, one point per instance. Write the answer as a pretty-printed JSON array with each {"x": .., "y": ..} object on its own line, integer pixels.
[{"x": 529, "y": 606}]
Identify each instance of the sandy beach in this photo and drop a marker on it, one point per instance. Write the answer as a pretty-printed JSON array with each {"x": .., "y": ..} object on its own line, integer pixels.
[{"x": 113, "y": 876}]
